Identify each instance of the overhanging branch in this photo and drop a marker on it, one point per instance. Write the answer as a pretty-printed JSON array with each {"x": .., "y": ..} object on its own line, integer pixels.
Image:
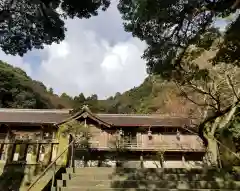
[{"x": 232, "y": 87}]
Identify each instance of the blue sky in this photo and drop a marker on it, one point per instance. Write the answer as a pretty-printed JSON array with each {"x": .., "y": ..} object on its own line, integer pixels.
[{"x": 97, "y": 57}]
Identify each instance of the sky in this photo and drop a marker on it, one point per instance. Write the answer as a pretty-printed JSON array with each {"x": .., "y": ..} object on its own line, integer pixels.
[{"x": 96, "y": 57}]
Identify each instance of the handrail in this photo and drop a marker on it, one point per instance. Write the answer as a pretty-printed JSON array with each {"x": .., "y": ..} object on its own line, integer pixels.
[
  {"x": 154, "y": 146},
  {"x": 49, "y": 166}
]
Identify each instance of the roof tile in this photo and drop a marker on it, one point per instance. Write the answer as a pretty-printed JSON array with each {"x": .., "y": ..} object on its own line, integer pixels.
[{"x": 49, "y": 116}]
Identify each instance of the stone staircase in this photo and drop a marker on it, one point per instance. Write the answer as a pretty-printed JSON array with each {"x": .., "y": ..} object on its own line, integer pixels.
[{"x": 146, "y": 179}]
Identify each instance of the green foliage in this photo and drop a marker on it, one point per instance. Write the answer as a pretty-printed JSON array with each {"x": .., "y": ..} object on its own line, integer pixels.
[
  {"x": 234, "y": 129},
  {"x": 72, "y": 127},
  {"x": 50, "y": 90},
  {"x": 17, "y": 90},
  {"x": 230, "y": 47},
  {"x": 169, "y": 27},
  {"x": 154, "y": 95},
  {"x": 228, "y": 137},
  {"x": 26, "y": 24}
]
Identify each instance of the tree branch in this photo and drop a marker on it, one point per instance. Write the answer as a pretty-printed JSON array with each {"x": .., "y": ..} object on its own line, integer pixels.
[
  {"x": 199, "y": 90},
  {"x": 236, "y": 4},
  {"x": 232, "y": 87},
  {"x": 215, "y": 116},
  {"x": 187, "y": 97}
]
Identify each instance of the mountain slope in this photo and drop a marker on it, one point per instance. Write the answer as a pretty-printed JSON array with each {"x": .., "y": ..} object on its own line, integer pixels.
[
  {"x": 153, "y": 96},
  {"x": 17, "y": 90}
]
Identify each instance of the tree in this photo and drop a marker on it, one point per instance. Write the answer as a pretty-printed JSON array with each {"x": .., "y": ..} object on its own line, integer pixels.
[
  {"x": 51, "y": 90},
  {"x": 81, "y": 135},
  {"x": 27, "y": 24},
  {"x": 80, "y": 98},
  {"x": 175, "y": 32},
  {"x": 169, "y": 27},
  {"x": 93, "y": 97},
  {"x": 217, "y": 97},
  {"x": 17, "y": 90},
  {"x": 66, "y": 97}
]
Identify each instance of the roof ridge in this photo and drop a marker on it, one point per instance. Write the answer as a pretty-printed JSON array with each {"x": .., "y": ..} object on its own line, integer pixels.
[
  {"x": 139, "y": 115},
  {"x": 35, "y": 110}
]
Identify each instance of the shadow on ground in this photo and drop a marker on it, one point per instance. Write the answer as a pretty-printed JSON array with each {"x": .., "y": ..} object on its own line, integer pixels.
[{"x": 153, "y": 179}]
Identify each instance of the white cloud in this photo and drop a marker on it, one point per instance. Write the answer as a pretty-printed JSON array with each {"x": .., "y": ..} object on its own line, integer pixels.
[
  {"x": 96, "y": 57},
  {"x": 93, "y": 66}
]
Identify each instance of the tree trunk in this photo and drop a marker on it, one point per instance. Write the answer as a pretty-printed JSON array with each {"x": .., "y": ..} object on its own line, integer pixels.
[
  {"x": 210, "y": 129},
  {"x": 212, "y": 152}
]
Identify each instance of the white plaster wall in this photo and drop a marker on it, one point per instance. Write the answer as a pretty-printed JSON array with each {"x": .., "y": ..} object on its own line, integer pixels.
[
  {"x": 194, "y": 164},
  {"x": 174, "y": 164},
  {"x": 29, "y": 158},
  {"x": 79, "y": 163},
  {"x": 15, "y": 157},
  {"x": 110, "y": 163},
  {"x": 151, "y": 164},
  {"x": 41, "y": 157}
]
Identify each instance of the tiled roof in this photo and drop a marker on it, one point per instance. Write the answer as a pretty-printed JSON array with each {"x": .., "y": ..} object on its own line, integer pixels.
[
  {"x": 144, "y": 120},
  {"x": 33, "y": 116},
  {"x": 49, "y": 116}
]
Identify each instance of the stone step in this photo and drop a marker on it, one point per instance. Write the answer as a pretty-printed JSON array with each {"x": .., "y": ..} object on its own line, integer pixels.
[
  {"x": 144, "y": 184},
  {"x": 107, "y": 170},
  {"x": 134, "y": 189},
  {"x": 170, "y": 177}
]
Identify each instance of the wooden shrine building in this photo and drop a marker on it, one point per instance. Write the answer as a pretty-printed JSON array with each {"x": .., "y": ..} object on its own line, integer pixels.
[{"x": 142, "y": 137}]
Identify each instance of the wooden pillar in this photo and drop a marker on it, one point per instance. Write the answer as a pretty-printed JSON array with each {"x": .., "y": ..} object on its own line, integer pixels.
[
  {"x": 36, "y": 158},
  {"x": 37, "y": 152},
  {"x": 6, "y": 145},
  {"x": 11, "y": 151},
  {"x": 51, "y": 153},
  {"x": 1, "y": 150},
  {"x": 23, "y": 151},
  {"x": 54, "y": 152},
  {"x": 162, "y": 160},
  {"x": 141, "y": 161},
  {"x": 183, "y": 160}
]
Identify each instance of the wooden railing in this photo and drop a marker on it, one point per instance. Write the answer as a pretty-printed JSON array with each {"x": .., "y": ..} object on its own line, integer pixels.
[
  {"x": 141, "y": 146},
  {"x": 30, "y": 139},
  {"x": 15, "y": 149}
]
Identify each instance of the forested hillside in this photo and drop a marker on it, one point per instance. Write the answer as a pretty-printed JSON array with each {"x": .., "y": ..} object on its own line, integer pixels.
[
  {"x": 17, "y": 90},
  {"x": 153, "y": 96}
]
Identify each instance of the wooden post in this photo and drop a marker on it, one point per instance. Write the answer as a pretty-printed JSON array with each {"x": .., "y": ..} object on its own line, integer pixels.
[
  {"x": 1, "y": 150},
  {"x": 36, "y": 159},
  {"x": 6, "y": 146},
  {"x": 141, "y": 161},
  {"x": 53, "y": 178},
  {"x": 183, "y": 160},
  {"x": 11, "y": 149},
  {"x": 38, "y": 152},
  {"x": 27, "y": 147},
  {"x": 51, "y": 153}
]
